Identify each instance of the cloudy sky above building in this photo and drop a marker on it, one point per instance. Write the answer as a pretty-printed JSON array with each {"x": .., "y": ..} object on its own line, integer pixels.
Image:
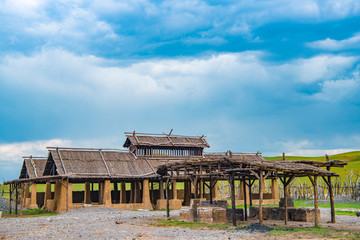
[{"x": 270, "y": 76}]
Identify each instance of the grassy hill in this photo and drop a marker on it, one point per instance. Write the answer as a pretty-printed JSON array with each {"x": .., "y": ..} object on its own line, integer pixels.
[{"x": 352, "y": 158}]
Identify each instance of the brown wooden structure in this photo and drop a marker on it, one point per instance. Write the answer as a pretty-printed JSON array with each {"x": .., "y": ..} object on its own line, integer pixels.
[{"x": 147, "y": 174}]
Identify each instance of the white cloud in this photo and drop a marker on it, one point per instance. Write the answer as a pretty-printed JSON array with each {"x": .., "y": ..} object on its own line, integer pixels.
[
  {"x": 333, "y": 91},
  {"x": 152, "y": 81},
  {"x": 337, "y": 45},
  {"x": 15, "y": 151}
]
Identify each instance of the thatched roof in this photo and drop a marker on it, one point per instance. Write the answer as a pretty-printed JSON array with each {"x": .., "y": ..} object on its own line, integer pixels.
[
  {"x": 33, "y": 167},
  {"x": 92, "y": 162},
  {"x": 165, "y": 141}
]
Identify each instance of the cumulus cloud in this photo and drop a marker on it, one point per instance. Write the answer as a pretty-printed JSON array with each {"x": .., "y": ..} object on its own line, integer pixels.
[
  {"x": 15, "y": 151},
  {"x": 337, "y": 45}
]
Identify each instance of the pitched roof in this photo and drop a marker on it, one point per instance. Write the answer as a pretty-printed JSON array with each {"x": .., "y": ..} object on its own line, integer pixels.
[
  {"x": 33, "y": 167},
  {"x": 165, "y": 141},
  {"x": 105, "y": 163}
]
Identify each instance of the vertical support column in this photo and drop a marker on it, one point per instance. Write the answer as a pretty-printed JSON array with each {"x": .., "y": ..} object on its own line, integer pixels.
[
  {"x": 174, "y": 189},
  {"x": 33, "y": 200},
  {"x": 146, "y": 195},
  {"x": 107, "y": 193},
  {"x": 21, "y": 198},
  {"x": 316, "y": 202},
  {"x": 216, "y": 191},
  {"x": 47, "y": 194},
  {"x": 250, "y": 192},
  {"x": 187, "y": 192},
  {"x": 261, "y": 181},
  {"x": 69, "y": 196},
  {"x": 123, "y": 192},
  {"x": 132, "y": 192},
  {"x": 331, "y": 193},
  {"x": 16, "y": 198},
  {"x": 233, "y": 207},
  {"x": 137, "y": 192},
  {"x": 286, "y": 201},
  {"x": 245, "y": 197},
  {"x": 274, "y": 190},
  {"x": 161, "y": 189},
  {"x": 10, "y": 197},
  {"x": 87, "y": 194},
  {"x": 61, "y": 195},
  {"x": 167, "y": 185},
  {"x": 26, "y": 193}
]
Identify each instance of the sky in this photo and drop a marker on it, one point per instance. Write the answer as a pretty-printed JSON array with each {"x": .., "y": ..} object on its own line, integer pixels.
[{"x": 270, "y": 76}]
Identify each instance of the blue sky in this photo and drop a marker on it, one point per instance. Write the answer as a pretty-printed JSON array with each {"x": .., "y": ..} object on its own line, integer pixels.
[{"x": 269, "y": 76}]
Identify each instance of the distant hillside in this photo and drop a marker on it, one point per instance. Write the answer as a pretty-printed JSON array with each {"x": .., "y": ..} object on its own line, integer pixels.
[{"x": 352, "y": 158}]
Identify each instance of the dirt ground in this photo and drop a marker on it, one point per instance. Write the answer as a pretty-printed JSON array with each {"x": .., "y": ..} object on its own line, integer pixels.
[{"x": 107, "y": 223}]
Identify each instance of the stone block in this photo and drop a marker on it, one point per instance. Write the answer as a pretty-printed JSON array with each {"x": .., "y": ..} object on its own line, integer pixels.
[
  {"x": 50, "y": 204},
  {"x": 185, "y": 214},
  {"x": 215, "y": 203},
  {"x": 239, "y": 212},
  {"x": 254, "y": 212},
  {"x": 175, "y": 204},
  {"x": 211, "y": 214},
  {"x": 290, "y": 202}
]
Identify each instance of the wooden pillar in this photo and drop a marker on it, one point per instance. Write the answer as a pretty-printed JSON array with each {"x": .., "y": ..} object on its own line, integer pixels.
[
  {"x": 100, "y": 189},
  {"x": 137, "y": 192},
  {"x": 123, "y": 193},
  {"x": 26, "y": 193},
  {"x": 47, "y": 194},
  {"x": 132, "y": 194},
  {"x": 61, "y": 195},
  {"x": 187, "y": 192},
  {"x": 10, "y": 197},
  {"x": 261, "y": 221},
  {"x": 21, "y": 198},
  {"x": 16, "y": 198},
  {"x": 146, "y": 195},
  {"x": 316, "y": 202},
  {"x": 274, "y": 190},
  {"x": 33, "y": 199},
  {"x": 107, "y": 193},
  {"x": 167, "y": 198},
  {"x": 245, "y": 203},
  {"x": 286, "y": 201},
  {"x": 69, "y": 196},
  {"x": 161, "y": 189},
  {"x": 233, "y": 207},
  {"x": 331, "y": 193},
  {"x": 87, "y": 193},
  {"x": 174, "y": 189},
  {"x": 250, "y": 192},
  {"x": 200, "y": 188}
]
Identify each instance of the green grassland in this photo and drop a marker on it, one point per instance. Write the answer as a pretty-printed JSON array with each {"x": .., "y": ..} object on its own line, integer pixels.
[{"x": 352, "y": 159}]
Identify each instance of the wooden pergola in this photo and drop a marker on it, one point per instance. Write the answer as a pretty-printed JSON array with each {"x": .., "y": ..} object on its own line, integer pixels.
[{"x": 249, "y": 171}]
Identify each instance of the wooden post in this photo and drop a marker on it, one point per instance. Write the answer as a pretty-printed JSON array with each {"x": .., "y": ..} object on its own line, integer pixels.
[
  {"x": 285, "y": 201},
  {"x": 261, "y": 194},
  {"x": 245, "y": 203},
  {"x": 233, "y": 207},
  {"x": 10, "y": 192},
  {"x": 250, "y": 193},
  {"x": 316, "y": 201},
  {"x": 123, "y": 193},
  {"x": 331, "y": 193},
  {"x": 21, "y": 198},
  {"x": 16, "y": 198},
  {"x": 167, "y": 198},
  {"x": 161, "y": 189}
]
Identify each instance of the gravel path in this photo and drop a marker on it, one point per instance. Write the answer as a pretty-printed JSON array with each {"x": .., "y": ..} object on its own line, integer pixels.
[{"x": 100, "y": 223}]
